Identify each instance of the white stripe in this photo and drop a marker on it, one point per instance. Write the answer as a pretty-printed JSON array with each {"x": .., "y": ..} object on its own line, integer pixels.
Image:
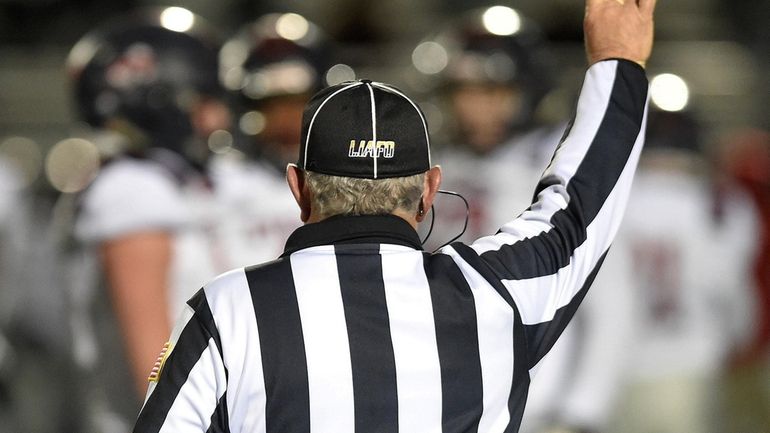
[
  {"x": 312, "y": 120},
  {"x": 591, "y": 109},
  {"x": 330, "y": 377},
  {"x": 199, "y": 396},
  {"x": 413, "y": 332},
  {"x": 424, "y": 123},
  {"x": 230, "y": 302},
  {"x": 374, "y": 127},
  {"x": 495, "y": 323}
]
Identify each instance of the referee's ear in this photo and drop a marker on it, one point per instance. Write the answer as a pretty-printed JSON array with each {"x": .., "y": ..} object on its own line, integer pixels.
[
  {"x": 429, "y": 190},
  {"x": 296, "y": 180}
]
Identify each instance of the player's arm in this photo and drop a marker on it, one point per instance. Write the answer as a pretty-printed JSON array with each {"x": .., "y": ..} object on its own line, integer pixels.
[
  {"x": 548, "y": 256},
  {"x": 130, "y": 214},
  {"x": 187, "y": 392},
  {"x": 136, "y": 267}
]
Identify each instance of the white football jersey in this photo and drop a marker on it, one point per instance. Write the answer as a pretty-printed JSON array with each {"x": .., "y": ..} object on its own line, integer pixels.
[
  {"x": 259, "y": 211},
  {"x": 692, "y": 275}
]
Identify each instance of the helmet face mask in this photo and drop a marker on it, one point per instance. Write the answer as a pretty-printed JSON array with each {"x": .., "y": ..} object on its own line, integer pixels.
[{"x": 139, "y": 74}]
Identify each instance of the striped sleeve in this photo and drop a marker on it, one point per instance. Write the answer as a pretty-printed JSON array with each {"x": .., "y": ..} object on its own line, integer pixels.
[
  {"x": 547, "y": 257},
  {"x": 189, "y": 395}
]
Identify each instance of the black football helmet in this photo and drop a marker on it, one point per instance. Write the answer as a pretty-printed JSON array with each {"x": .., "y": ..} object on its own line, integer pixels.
[
  {"x": 143, "y": 73},
  {"x": 271, "y": 67}
]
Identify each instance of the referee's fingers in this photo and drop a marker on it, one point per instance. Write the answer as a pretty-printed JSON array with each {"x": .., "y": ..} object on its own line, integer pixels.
[
  {"x": 646, "y": 7},
  {"x": 593, "y": 3}
]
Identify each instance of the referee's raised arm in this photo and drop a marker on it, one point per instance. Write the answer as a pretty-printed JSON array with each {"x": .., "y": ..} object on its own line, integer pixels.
[{"x": 544, "y": 261}]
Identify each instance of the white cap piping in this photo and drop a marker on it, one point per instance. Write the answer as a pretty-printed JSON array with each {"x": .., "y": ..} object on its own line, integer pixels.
[
  {"x": 374, "y": 128},
  {"x": 312, "y": 120}
]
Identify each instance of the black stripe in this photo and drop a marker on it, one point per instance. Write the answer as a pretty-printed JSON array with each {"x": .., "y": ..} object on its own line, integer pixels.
[
  {"x": 520, "y": 380},
  {"x": 543, "y": 254},
  {"x": 371, "y": 348},
  {"x": 454, "y": 313},
  {"x": 220, "y": 421},
  {"x": 543, "y": 336},
  {"x": 588, "y": 188},
  {"x": 530, "y": 342},
  {"x": 192, "y": 343},
  {"x": 283, "y": 349},
  {"x": 200, "y": 305}
]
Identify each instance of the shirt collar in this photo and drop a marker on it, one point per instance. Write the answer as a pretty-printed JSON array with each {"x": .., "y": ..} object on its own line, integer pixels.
[{"x": 359, "y": 229}]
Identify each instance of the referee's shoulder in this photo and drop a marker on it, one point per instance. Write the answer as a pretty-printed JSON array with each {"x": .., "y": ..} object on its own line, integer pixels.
[{"x": 235, "y": 283}]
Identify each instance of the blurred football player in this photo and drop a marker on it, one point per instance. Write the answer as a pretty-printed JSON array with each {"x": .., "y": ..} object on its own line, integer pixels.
[
  {"x": 148, "y": 218},
  {"x": 271, "y": 66},
  {"x": 745, "y": 159},
  {"x": 693, "y": 252}
]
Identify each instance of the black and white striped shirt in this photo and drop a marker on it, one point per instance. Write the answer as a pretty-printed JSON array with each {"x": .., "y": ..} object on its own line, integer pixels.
[{"x": 356, "y": 329}]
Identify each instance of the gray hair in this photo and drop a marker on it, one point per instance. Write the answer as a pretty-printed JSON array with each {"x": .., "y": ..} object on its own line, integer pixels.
[{"x": 337, "y": 195}]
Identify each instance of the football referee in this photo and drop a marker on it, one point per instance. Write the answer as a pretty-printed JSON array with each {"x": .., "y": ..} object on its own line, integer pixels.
[{"x": 356, "y": 329}]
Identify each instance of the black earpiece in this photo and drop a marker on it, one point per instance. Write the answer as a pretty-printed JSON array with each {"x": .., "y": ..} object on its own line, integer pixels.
[{"x": 433, "y": 218}]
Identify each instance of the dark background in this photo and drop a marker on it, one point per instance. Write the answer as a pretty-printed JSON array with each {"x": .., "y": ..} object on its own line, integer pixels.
[{"x": 720, "y": 47}]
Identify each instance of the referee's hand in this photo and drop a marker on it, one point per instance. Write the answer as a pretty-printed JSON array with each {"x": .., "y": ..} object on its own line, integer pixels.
[{"x": 618, "y": 29}]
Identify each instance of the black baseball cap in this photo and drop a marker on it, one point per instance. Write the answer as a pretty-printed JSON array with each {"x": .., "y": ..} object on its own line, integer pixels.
[{"x": 364, "y": 129}]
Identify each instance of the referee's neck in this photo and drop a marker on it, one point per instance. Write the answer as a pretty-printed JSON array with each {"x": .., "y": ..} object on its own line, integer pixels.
[{"x": 406, "y": 216}]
